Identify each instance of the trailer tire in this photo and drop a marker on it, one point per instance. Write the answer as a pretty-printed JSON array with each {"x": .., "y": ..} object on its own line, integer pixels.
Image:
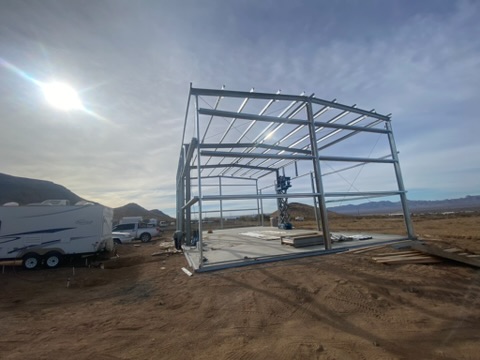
[
  {"x": 31, "y": 261},
  {"x": 145, "y": 237},
  {"x": 53, "y": 259}
]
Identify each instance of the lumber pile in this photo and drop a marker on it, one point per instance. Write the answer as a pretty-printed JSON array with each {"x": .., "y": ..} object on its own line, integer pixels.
[
  {"x": 405, "y": 257},
  {"x": 421, "y": 253},
  {"x": 303, "y": 240},
  {"x": 454, "y": 254}
]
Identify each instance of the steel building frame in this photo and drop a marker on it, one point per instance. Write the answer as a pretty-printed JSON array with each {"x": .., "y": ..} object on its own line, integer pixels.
[{"x": 246, "y": 147}]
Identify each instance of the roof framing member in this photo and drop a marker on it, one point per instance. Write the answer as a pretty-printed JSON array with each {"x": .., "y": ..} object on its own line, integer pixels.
[{"x": 268, "y": 96}]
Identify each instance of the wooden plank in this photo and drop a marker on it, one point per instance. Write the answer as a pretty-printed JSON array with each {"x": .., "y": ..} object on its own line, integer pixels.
[
  {"x": 452, "y": 250},
  {"x": 436, "y": 251},
  {"x": 405, "y": 256},
  {"x": 186, "y": 271},
  {"x": 303, "y": 242},
  {"x": 11, "y": 263},
  {"x": 375, "y": 247},
  {"x": 303, "y": 236},
  {"x": 393, "y": 258},
  {"x": 365, "y": 249},
  {"x": 412, "y": 261},
  {"x": 398, "y": 253}
]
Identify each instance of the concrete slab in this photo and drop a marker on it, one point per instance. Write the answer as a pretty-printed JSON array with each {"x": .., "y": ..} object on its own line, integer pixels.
[{"x": 245, "y": 246}]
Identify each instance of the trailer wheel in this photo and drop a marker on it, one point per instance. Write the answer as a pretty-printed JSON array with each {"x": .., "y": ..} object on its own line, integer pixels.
[
  {"x": 53, "y": 259},
  {"x": 31, "y": 261},
  {"x": 145, "y": 237}
]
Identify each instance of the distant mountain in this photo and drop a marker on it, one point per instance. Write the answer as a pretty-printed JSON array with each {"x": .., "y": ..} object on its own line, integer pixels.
[
  {"x": 416, "y": 206},
  {"x": 160, "y": 214},
  {"x": 303, "y": 210},
  {"x": 133, "y": 209},
  {"x": 26, "y": 191}
]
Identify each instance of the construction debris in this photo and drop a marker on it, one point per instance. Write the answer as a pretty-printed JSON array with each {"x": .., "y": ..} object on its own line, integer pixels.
[
  {"x": 167, "y": 252},
  {"x": 186, "y": 271},
  {"x": 405, "y": 257},
  {"x": 421, "y": 253},
  {"x": 366, "y": 249},
  {"x": 303, "y": 240},
  {"x": 343, "y": 237},
  {"x": 454, "y": 254}
]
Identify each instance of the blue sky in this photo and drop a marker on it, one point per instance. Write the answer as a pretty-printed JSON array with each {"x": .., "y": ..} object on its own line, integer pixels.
[{"x": 133, "y": 61}]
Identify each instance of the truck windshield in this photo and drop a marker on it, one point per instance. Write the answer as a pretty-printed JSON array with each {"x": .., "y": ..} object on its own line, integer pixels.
[{"x": 124, "y": 227}]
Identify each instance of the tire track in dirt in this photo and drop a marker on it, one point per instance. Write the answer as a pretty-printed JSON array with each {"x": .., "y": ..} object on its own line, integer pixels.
[{"x": 320, "y": 312}]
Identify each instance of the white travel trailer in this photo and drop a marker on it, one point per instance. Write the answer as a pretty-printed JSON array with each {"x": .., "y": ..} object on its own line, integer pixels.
[{"x": 46, "y": 234}]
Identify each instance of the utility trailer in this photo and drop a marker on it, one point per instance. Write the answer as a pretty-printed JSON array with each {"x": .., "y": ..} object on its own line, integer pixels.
[{"x": 41, "y": 234}]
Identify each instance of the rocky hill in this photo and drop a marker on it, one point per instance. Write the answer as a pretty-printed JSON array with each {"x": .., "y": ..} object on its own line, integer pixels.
[
  {"x": 26, "y": 191},
  {"x": 133, "y": 209}
]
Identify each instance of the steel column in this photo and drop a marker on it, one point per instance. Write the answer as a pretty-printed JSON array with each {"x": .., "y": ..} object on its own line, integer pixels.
[
  {"x": 258, "y": 202},
  {"x": 261, "y": 208},
  {"x": 401, "y": 186},
  {"x": 221, "y": 202},
  {"x": 180, "y": 224},
  {"x": 199, "y": 182},
  {"x": 318, "y": 178},
  {"x": 188, "y": 197},
  {"x": 315, "y": 204}
]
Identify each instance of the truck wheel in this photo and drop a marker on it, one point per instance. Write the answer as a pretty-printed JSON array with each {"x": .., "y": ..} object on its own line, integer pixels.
[
  {"x": 53, "y": 259},
  {"x": 31, "y": 261},
  {"x": 145, "y": 237},
  {"x": 117, "y": 241}
]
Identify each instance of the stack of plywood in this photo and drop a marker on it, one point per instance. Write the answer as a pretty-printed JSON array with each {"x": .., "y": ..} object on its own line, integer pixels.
[{"x": 303, "y": 240}]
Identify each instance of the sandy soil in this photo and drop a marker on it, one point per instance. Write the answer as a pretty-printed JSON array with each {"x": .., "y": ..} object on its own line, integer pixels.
[{"x": 342, "y": 306}]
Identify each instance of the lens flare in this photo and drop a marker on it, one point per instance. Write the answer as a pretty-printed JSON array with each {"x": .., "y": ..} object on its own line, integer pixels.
[{"x": 62, "y": 96}]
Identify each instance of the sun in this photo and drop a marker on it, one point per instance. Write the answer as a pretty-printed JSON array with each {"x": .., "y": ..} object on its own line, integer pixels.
[{"x": 62, "y": 96}]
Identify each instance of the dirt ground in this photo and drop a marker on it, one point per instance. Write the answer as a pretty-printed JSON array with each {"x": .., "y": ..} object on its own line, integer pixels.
[{"x": 343, "y": 306}]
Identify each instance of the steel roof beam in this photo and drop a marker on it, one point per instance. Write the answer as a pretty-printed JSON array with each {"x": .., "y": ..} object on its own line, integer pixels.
[
  {"x": 356, "y": 159},
  {"x": 253, "y": 145},
  {"x": 244, "y": 116},
  {"x": 336, "y": 141},
  {"x": 298, "y": 195},
  {"x": 268, "y": 96},
  {"x": 351, "y": 127},
  {"x": 256, "y": 156},
  {"x": 219, "y": 166}
]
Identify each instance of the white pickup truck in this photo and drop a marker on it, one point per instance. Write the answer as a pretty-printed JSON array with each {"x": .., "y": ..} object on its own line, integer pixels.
[{"x": 139, "y": 231}]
